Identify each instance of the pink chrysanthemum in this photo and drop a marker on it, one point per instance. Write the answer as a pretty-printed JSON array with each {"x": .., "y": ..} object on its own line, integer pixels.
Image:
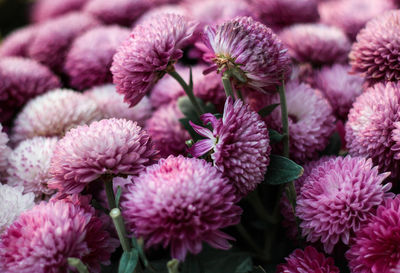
[
  {"x": 338, "y": 197},
  {"x": 43, "y": 10},
  {"x": 239, "y": 143},
  {"x": 159, "y": 11},
  {"x": 18, "y": 42},
  {"x": 376, "y": 245},
  {"x": 187, "y": 187},
  {"x": 166, "y": 131},
  {"x": 54, "y": 38},
  {"x": 43, "y": 238},
  {"x": 316, "y": 43},
  {"x": 311, "y": 121},
  {"x": 112, "y": 104},
  {"x": 89, "y": 60},
  {"x": 339, "y": 87},
  {"x": 53, "y": 114},
  {"x": 371, "y": 127},
  {"x": 20, "y": 80},
  {"x": 352, "y": 15},
  {"x": 110, "y": 146},
  {"x": 281, "y": 13},
  {"x": 307, "y": 261},
  {"x": 29, "y": 165},
  {"x": 376, "y": 52},
  {"x": 13, "y": 202},
  {"x": 4, "y": 151},
  {"x": 250, "y": 48},
  {"x": 143, "y": 59}
]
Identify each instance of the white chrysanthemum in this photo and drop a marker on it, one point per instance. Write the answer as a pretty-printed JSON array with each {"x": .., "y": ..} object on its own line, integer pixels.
[
  {"x": 30, "y": 163},
  {"x": 13, "y": 202}
]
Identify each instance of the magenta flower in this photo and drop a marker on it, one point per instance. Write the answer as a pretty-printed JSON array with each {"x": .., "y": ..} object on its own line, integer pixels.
[
  {"x": 316, "y": 43},
  {"x": 166, "y": 131},
  {"x": 311, "y": 121},
  {"x": 338, "y": 197},
  {"x": 239, "y": 145},
  {"x": 54, "y": 38},
  {"x": 89, "y": 60},
  {"x": 376, "y": 52},
  {"x": 4, "y": 151},
  {"x": 370, "y": 128},
  {"x": 143, "y": 59},
  {"x": 339, "y": 87},
  {"x": 251, "y": 49},
  {"x": 44, "y": 10},
  {"x": 42, "y": 239},
  {"x": 307, "y": 261},
  {"x": 17, "y": 42},
  {"x": 376, "y": 246},
  {"x": 112, "y": 104},
  {"x": 109, "y": 146},
  {"x": 159, "y": 11},
  {"x": 169, "y": 205},
  {"x": 53, "y": 114},
  {"x": 29, "y": 165},
  {"x": 20, "y": 80}
]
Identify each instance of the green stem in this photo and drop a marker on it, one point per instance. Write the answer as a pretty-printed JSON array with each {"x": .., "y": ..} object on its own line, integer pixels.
[
  {"x": 108, "y": 185},
  {"x": 243, "y": 232},
  {"x": 226, "y": 81},
  {"x": 118, "y": 221},
  {"x": 255, "y": 200},
  {"x": 173, "y": 266},
  {"x": 78, "y": 264},
  {"x": 188, "y": 91}
]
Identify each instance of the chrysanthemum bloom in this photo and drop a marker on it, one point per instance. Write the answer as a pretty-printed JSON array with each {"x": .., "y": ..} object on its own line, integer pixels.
[
  {"x": 309, "y": 260},
  {"x": 376, "y": 245},
  {"x": 13, "y": 202},
  {"x": 371, "y": 124},
  {"x": 20, "y": 80},
  {"x": 112, "y": 104},
  {"x": 316, "y": 43},
  {"x": 18, "y": 42},
  {"x": 4, "y": 151},
  {"x": 159, "y": 11},
  {"x": 121, "y": 12},
  {"x": 143, "y": 59},
  {"x": 166, "y": 131},
  {"x": 54, "y": 38},
  {"x": 239, "y": 143},
  {"x": 43, "y": 238},
  {"x": 338, "y": 197},
  {"x": 339, "y": 87},
  {"x": 43, "y": 10},
  {"x": 375, "y": 54},
  {"x": 251, "y": 49},
  {"x": 89, "y": 60},
  {"x": 311, "y": 121},
  {"x": 53, "y": 114},
  {"x": 29, "y": 165},
  {"x": 281, "y": 13},
  {"x": 110, "y": 146},
  {"x": 352, "y": 15},
  {"x": 169, "y": 204}
]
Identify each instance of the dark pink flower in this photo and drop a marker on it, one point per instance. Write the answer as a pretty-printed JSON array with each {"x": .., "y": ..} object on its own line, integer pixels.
[
  {"x": 170, "y": 203},
  {"x": 43, "y": 10},
  {"x": 18, "y": 42}
]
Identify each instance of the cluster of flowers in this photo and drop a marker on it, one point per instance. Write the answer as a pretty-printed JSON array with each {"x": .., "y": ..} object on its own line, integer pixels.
[{"x": 100, "y": 111}]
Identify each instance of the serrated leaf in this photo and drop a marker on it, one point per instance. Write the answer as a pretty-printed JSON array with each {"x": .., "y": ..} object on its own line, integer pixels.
[
  {"x": 274, "y": 136},
  {"x": 118, "y": 196},
  {"x": 128, "y": 261},
  {"x": 268, "y": 109},
  {"x": 282, "y": 170}
]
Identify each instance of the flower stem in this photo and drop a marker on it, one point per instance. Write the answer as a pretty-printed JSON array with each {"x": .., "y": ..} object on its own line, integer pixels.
[
  {"x": 173, "y": 266},
  {"x": 250, "y": 241},
  {"x": 188, "y": 91},
  {"x": 226, "y": 81},
  {"x": 108, "y": 185},
  {"x": 255, "y": 201},
  {"x": 78, "y": 264},
  {"x": 118, "y": 221}
]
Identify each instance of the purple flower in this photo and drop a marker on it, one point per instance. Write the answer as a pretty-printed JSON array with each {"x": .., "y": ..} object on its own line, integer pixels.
[
  {"x": 249, "y": 48},
  {"x": 181, "y": 202},
  {"x": 44, "y": 10},
  {"x": 109, "y": 146},
  {"x": 143, "y": 59},
  {"x": 89, "y": 60},
  {"x": 159, "y": 11},
  {"x": 239, "y": 145},
  {"x": 338, "y": 197},
  {"x": 316, "y": 43},
  {"x": 370, "y": 130},
  {"x": 375, "y": 54},
  {"x": 18, "y": 42},
  {"x": 4, "y": 151}
]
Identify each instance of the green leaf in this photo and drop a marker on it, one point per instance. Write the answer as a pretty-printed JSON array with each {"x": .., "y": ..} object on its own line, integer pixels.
[
  {"x": 282, "y": 170},
  {"x": 118, "y": 196},
  {"x": 128, "y": 261},
  {"x": 335, "y": 143},
  {"x": 268, "y": 109},
  {"x": 185, "y": 124},
  {"x": 244, "y": 266},
  {"x": 274, "y": 136},
  {"x": 138, "y": 244},
  {"x": 259, "y": 269},
  {"x": 187, "y": 109}
]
